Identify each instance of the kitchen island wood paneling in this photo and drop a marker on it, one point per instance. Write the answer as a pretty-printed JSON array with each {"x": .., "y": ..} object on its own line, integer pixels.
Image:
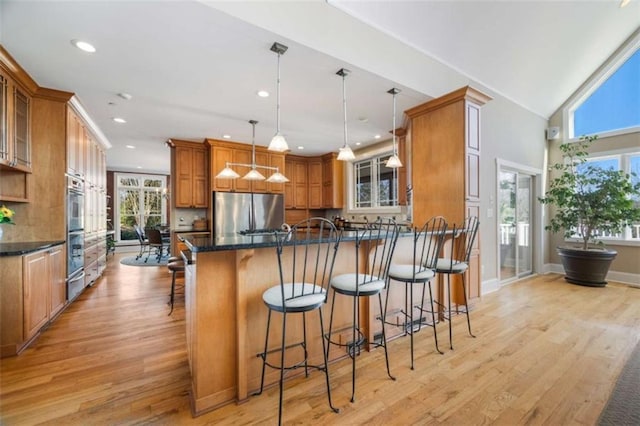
[{"x": 226, "y": 317}]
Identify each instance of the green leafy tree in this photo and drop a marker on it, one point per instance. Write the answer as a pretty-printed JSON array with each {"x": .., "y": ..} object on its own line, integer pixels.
[{"x": 589, "y": 200}]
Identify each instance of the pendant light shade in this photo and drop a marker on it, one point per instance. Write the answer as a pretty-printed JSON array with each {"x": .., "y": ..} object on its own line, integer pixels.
[
  {"x": 345, "y": 153},
  {"x": 277, "y": 177},
  {"x": 227, "y": 173},
  {"x": 394, "y": 161},
  {"x": 253, "y": 175},
  {"x": 278, "y": 143}
]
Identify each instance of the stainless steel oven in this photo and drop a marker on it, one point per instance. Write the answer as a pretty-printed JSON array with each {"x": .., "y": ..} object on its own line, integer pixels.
[
  {"x": 75, "y": 237},
  {"x": 75, "y": 204}
]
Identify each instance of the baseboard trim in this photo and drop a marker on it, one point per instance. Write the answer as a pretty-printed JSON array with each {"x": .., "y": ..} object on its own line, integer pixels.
[
  {"x": 489, "y": 286},
  {"x": 621, "y": 277}
]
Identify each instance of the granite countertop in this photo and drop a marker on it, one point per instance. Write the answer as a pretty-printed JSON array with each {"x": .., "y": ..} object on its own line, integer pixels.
[
  {"x": 20, "y": 248},
  {"x": 198, "y": 244}
]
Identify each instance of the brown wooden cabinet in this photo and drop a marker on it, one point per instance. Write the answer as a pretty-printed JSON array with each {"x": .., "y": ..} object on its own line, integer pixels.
[
  {"x": 446, "y": 176},
  {"x": 33, "y": 292},
  {"x": 332, "y": 182},
  {"x": 295, "y": 191},
  {"x": 57, "y": 284},
  {"x": 315, "y": 183},
  {"x": 15, "y": 123},
  {"x": 36, "y": 292},
  {"x": 75, "y": 144},
  {"x": 190, "y": 174}
]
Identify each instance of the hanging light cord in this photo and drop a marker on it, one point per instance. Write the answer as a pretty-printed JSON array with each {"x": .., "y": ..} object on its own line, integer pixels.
[
  {"x": 395, "y": 151},
  {"x": 344, "y": 105},
  {"x": 253, "y": 144},
  {"x": 278, "y": 99}
]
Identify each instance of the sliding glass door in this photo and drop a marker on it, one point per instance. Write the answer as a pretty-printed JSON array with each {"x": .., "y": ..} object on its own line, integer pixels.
[{"x": 515, "y": 218}]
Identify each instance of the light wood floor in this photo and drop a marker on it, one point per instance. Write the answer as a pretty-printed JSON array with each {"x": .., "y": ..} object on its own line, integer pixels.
[{"x": 547, "y": 352}]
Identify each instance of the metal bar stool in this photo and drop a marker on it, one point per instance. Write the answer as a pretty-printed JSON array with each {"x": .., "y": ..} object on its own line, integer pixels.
[
  {"x": 457, "y": 264},
  {"x": 379, "y": 239},
  {"x": 175, "y": 265},
  {"x": 427, "y": 243},
  {"x": 306, "y": 255}
]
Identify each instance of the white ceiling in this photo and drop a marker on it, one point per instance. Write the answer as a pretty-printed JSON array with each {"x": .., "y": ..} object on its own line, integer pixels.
[{"x": 193, "y": 68}]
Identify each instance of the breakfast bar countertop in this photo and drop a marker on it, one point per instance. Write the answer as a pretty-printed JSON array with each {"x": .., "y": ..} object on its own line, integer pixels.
[
  {"x": 21, "y": 248},
  {"x": 198, "y": 244}
]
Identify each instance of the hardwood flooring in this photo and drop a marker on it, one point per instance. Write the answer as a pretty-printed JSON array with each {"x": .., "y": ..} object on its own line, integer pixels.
[{"x": 547, "y": 352}]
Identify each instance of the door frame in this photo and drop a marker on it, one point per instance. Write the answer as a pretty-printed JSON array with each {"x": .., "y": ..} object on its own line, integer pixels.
[{"x": 537, "y": 233}]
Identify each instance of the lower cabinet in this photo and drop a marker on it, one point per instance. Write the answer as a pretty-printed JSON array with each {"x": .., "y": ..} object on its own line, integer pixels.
[{"x": 32, "y": 293}]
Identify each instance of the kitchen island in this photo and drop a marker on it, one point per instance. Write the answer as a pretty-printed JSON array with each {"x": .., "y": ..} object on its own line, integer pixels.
[{"x": 226, "y": 317}]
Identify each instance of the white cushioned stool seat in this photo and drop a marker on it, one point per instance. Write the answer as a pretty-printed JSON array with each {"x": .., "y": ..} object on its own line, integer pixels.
[
  {"x": 405, "y": 272},
  {"x": 313, "y": 296},
  {"x": 457, "y": 267},
  {"x": 348, "y": 283}
]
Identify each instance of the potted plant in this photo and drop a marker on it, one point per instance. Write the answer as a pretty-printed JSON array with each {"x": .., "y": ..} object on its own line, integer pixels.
[{"x": 589, "y": 202}]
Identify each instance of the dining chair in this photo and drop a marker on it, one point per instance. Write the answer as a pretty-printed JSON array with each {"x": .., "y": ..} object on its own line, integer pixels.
[
  {"x": 457, "y": 263},
  {"x": 155, "y": 242},
  {"x": 306, "y": 255},
  {"x": 142, "y": 240},
  {"x": 374, "y": 247},
  {"x": 427, "y": 243}
]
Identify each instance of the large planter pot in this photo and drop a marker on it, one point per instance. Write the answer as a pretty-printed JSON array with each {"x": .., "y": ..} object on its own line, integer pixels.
[{"x": 586, "y": 267}]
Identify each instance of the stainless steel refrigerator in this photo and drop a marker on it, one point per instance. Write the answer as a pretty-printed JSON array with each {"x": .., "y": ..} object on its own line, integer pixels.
[{"x": 246, "y": 213}]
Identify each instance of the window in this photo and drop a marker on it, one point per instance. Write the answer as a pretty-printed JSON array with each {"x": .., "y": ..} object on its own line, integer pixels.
[
  {"x": 609, "y": 102},
  {"x": 628, "y": 163},
  {"x": 140, "y": 201},
  {"x": 375, "y": 184}
]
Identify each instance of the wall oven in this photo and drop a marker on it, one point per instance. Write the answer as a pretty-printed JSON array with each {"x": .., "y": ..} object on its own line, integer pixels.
[
  {"x": 75, "y": 237},
  {"x": 75, "y": 204}
]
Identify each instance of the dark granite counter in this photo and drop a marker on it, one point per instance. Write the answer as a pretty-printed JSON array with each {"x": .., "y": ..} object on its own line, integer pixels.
[
  {"x": 199, "y": 244},
  {"x": 21, "y": 248}
]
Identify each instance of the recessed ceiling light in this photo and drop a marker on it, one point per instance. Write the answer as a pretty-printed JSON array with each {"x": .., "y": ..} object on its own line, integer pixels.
[
  {"x": 138, "y": 167},
  {"x": 119, "y": 120},
  {"x": 226, "y": 136},
  {"x": 358, "y": 143},
  {"x": 377, "y": 136},
  {"x": 130, "y": 146},
  {"x": 125, "y": 96},
  {"x": 84, "y": 46},
  {"x": 301, "y": 148},
  {"x": 263, "y": 93},
  {"x": 623, "y": 3},
  {"x": 363, "y": 119}
]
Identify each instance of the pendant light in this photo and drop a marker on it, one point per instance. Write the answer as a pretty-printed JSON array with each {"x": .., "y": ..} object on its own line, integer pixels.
[
  {"x": 278, "y": 143},
  {"x": 394, "y": 161},
  {"x": 253, "y": 174},
  {"x": 345, "y": 154}
]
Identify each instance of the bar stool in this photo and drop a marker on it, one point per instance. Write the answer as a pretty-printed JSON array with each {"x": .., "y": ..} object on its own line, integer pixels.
[
  {"x": 306, "y": 255},
  {"x": 377, "y": 242},
  {"x": 175, "y": 265},
  {"x": 457, "y": 264},
  {"x": 427, "y": 243}
]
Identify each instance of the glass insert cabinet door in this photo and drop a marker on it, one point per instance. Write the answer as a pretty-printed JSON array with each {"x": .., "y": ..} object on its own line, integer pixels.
[{"x": 515, "y": 202}]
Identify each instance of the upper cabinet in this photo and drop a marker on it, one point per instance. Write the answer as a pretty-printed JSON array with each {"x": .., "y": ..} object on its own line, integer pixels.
[
  {"x": 223, "y": 152},
  {"x": 190, "y": 174},
  {"x": 15, "y": 120},
  {"x": 296, "y": 190},
  {"x": 332, "y": 182}
]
